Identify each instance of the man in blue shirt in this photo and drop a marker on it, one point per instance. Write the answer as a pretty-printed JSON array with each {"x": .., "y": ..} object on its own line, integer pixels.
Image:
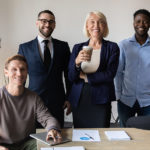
[{"x": 133, "y": 76}]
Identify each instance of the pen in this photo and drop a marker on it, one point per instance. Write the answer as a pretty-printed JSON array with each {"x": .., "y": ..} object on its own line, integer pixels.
[{"x": 89, "y": 136}]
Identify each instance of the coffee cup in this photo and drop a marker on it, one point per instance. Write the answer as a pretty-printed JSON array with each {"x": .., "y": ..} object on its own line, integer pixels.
[{"x": 88, "y": 50}]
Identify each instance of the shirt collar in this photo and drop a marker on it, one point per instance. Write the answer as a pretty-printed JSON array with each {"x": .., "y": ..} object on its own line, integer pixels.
[
  {"x": 148, "y": 39},
  {"x": 133, "y": 39},
  {"x": 40, "y": 39}
]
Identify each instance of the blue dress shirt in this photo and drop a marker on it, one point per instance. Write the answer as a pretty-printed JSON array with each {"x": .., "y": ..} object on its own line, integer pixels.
[{"x": 132, "y": 81}]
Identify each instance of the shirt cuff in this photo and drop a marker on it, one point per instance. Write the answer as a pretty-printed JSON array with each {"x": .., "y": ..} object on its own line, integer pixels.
[
  {"x": 78, "y": 67},
  {"x": 54, "y": 129}
]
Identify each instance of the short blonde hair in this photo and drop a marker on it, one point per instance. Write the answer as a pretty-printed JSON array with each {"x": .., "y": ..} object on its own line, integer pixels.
[
  {"x": 15, "y": 57},
  {"x": 9, "y": 60},
  {"x": 102, "y": 17}
]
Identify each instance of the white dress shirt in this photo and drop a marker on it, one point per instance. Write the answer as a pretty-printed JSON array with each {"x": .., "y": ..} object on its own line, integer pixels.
[{"x": 41, "y": 46}]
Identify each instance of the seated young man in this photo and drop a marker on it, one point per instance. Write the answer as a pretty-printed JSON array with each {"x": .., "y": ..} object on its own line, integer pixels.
[{"x": 19, "y": 109}]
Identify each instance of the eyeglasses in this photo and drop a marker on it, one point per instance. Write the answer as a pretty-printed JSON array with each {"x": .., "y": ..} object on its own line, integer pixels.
[{"x": 45, "y": 21}]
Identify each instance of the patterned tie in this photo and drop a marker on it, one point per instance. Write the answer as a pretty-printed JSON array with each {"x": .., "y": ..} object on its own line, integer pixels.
[{"x": 47, "y": 55}]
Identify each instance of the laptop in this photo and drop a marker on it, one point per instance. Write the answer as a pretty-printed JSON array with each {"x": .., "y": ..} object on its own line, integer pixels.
[{"x": 42, "y": 137}]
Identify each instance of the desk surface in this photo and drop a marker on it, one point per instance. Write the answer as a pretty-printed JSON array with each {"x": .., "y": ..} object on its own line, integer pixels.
[{"x": 140, "y": 140}]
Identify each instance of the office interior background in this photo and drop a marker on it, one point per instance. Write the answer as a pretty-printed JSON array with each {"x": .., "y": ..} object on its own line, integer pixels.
[{"x": 18, "y": 17}]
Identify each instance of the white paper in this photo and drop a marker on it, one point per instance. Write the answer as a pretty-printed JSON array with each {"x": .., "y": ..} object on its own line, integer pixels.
[
  {"x": 117, "y": 135},
  {"x": 85, "y": 135},
  {"x": 47, "y": 148},
  {"x": 65, "y": 148}
]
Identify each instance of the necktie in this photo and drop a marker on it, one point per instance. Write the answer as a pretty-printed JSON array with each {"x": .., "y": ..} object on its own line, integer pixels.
[{"x": 47, "y": 55}]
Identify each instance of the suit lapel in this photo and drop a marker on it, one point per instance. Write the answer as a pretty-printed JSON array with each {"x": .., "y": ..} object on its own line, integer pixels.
[
  {"x": 103, "y": 53},
  {"x": 36, "y": 51}
]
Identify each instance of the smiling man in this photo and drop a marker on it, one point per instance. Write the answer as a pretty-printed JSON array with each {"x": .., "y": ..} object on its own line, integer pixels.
[
  {"x": 20, "y": 108},
  {"x": 133, "y": 76},
  {"x": 48, "y": 61}
]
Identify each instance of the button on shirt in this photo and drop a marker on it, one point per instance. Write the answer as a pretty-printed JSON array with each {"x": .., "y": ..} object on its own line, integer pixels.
[
  {"x": 41, "y": 46},
  {"x": 132, "y": 81}
]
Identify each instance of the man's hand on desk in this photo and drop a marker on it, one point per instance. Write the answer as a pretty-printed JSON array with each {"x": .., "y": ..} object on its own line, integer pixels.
[
  {"x": 54, "y": 134},
  {"x": 3, "y": 148}
]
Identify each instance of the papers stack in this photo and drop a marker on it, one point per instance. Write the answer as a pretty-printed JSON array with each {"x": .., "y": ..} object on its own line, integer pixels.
[
  {"x": 117, "y": 135},
  {"x": 65, "y": 148},
  {"x": 85, "y": 135}
]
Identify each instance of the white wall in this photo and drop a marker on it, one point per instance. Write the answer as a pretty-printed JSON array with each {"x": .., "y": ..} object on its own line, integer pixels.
[{"x": 18, "y": 17}]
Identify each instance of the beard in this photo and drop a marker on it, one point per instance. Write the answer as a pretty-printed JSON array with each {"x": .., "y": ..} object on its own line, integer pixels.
[{"x": 46, "y": 34}]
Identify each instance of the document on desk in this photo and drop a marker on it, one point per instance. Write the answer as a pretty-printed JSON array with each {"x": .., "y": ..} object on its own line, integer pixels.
[
  {"x": 117, "y": 135},
  {"x": 65, "y": 148},
  {"x": 85, "y": 135}
]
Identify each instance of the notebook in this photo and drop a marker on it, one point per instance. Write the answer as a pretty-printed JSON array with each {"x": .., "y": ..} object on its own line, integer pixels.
[
  {"x": 117, "y": 135},
  {"x": 42, "y": 137}
]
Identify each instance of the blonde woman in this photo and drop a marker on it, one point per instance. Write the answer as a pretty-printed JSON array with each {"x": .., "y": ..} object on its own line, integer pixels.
[{"x": 92, "y": 75}]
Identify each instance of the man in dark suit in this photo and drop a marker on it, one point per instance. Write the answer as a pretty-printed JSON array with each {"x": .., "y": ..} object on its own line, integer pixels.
[{"x": 48, "y": 61}]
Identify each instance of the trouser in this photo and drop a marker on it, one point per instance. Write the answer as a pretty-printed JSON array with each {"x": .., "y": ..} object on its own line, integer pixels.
[
  {"x": 89, "y": 115},
  {"x": 125, "y": 112},
  {"x": 25, "y": 145}
]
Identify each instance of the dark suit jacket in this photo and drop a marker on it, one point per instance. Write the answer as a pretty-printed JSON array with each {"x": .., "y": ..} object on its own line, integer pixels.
[
  {"x": 48, "y": 85},
  {"x": 102, "y": 86}
]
